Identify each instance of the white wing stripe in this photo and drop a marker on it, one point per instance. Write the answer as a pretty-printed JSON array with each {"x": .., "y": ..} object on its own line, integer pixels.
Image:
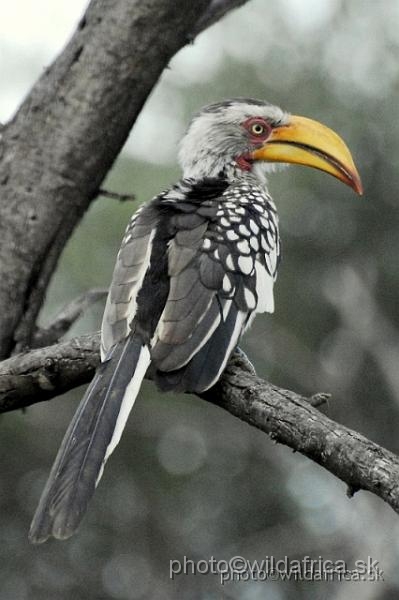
[{"x": 264, "y": 289}]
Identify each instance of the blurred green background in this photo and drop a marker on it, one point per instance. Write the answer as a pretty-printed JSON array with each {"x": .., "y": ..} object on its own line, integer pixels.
[{"x": 188, "y": 478}]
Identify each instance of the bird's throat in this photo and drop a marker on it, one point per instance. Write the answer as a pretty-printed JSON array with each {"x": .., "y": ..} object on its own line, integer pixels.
[{"x": 244, "y": 162}]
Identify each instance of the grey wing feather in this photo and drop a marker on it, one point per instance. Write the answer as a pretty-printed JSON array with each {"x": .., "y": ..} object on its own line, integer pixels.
[
  {"x": 197, "y": 306},
  {"x": 131, "y": 265},
  {"x": 169, "y": 357},
  {"x": 211, "y": 272},
  {"x": 206, "y": 365}
]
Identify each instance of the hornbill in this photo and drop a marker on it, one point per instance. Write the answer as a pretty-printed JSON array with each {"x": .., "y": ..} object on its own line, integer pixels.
[{"x": 196, "y": 264}]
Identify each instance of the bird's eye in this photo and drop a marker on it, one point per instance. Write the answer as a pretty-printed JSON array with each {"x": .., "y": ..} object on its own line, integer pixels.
[{"x": 257, "y": 129}]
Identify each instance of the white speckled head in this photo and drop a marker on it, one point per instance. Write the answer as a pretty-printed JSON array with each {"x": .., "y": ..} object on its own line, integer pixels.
[{"x": 216, "y": 137}]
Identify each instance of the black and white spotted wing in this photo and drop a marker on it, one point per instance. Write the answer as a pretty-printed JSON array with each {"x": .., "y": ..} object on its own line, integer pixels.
[{"x": 196, "y": 264}]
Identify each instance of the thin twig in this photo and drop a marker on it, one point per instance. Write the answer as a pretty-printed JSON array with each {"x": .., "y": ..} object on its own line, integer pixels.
[
  {"x": 67, "y": 316},
  {"x": 117, "y": 196}
]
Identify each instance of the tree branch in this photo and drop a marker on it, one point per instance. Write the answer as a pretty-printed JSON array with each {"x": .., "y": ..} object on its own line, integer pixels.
[
  {"x": 44, "y": 373},
  {"x": 285, "y": 416}
]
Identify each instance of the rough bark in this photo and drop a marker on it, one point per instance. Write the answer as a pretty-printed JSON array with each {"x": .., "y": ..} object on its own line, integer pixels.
[
  {"x": 64, "y": 138},
  {"x": 285, "y": 416},
  {"x": 46, "y": 372}
]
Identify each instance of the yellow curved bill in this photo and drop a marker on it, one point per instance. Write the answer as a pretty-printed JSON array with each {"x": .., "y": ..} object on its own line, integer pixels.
[{"x": 306, "y": 142}]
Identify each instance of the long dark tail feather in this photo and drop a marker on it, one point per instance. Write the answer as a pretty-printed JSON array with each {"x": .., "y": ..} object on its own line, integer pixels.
[{"x": 91, "y": 436}]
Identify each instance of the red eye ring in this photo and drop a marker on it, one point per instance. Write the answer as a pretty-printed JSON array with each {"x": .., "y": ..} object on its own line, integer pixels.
[{"x": 258, "y": 128}]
